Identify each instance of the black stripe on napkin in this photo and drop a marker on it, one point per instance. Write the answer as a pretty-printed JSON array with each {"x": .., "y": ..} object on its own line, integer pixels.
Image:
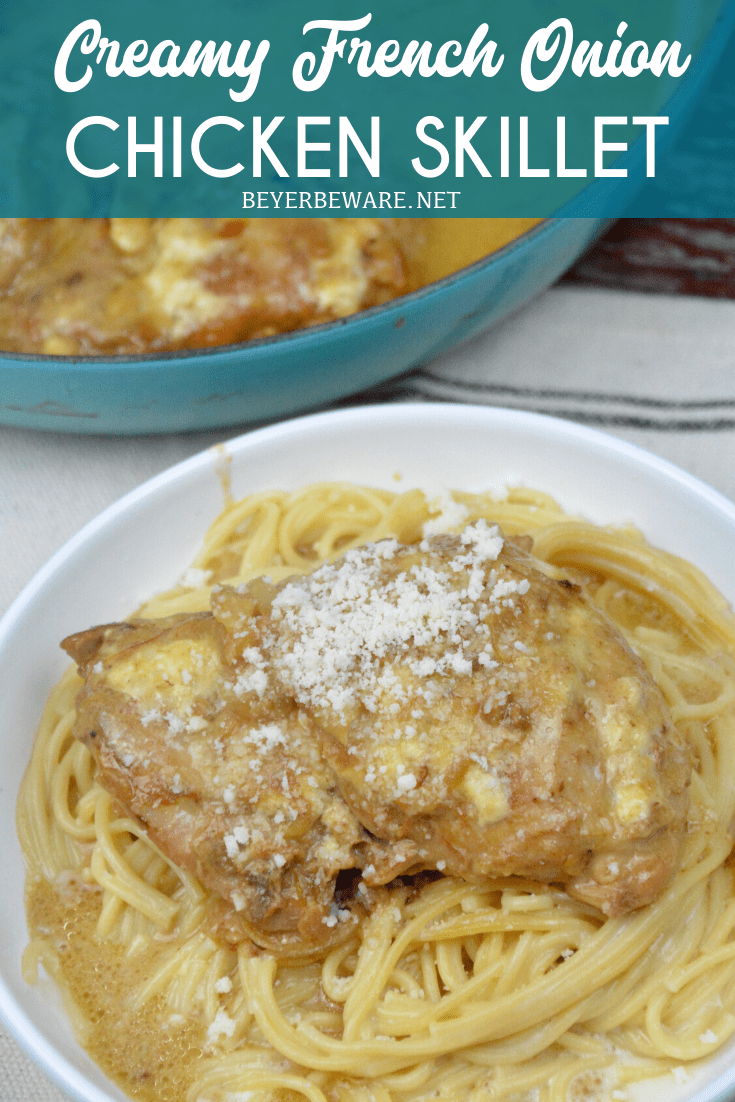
[{"x": 588, "y": 407}]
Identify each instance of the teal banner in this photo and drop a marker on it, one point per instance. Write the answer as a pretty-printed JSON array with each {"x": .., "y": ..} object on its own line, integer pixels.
[{"x": 312, "y": 108}]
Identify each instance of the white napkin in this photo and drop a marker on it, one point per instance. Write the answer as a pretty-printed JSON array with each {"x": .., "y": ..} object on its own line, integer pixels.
[{"x": 657, "y": 370}]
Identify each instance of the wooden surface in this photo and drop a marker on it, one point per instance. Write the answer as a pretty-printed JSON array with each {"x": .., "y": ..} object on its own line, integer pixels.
[
  {"x": 664, "y": 255},
  {"x": 695, "y": 176}
]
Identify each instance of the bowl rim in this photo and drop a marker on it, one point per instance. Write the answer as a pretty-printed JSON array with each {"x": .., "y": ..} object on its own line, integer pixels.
[
  {"x": 18, "y": 1022},
  {"x": 557, "y": 427},
  {"x": 43, "y": 361}
]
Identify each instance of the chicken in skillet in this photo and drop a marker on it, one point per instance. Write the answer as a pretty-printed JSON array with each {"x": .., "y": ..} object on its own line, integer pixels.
[{"x": 104, "y": 286}]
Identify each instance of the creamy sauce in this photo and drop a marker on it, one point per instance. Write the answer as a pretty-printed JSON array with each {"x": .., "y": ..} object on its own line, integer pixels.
[
  {"x": 150, "y": 1055},
  {"x": 454, "y": 243}
]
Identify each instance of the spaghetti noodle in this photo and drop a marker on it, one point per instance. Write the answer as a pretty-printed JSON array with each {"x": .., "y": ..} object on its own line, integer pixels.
[{"x": 512, "y": 991}]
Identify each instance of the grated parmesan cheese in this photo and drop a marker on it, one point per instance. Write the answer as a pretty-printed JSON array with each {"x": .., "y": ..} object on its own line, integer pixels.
[
  {"x": 447, "y": 514},
  {"x": 343, "y": 623},
  {"x": 222, "y": 1025}
]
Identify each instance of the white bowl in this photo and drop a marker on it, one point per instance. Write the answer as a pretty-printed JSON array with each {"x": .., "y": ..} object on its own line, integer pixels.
[{"x": 145, "y": 541}]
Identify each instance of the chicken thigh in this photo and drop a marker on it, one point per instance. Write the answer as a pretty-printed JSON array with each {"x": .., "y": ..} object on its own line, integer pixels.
[{"x": 454, "y": 706}]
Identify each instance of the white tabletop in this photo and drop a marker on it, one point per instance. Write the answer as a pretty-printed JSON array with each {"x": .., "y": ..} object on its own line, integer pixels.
[{"x": 656, "y": 370}]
